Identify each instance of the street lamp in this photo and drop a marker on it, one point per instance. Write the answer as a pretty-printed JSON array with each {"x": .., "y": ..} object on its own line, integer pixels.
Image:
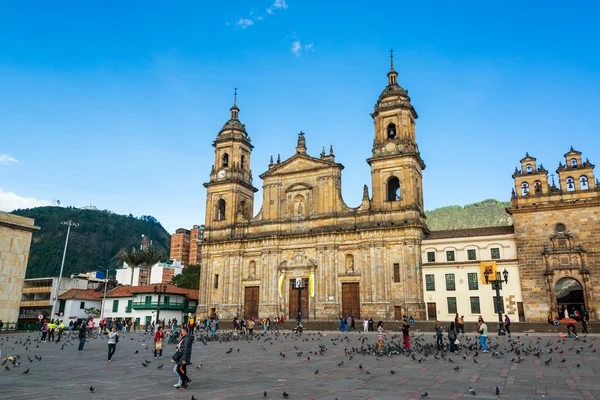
[
  {"x": 299, "y": 287},
  {"x": 62, "y": 264},
  {"x": 105, "y": 285},
  {"x": 497, "y": 285},
  {"x": 158, "y": 292}
]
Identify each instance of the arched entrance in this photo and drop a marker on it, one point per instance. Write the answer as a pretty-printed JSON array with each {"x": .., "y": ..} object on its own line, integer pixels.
[{"x": 569, "y": 294}]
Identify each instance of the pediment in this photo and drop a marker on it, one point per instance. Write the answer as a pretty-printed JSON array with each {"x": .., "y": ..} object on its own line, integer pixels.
[{"x": 299, "y": 163}]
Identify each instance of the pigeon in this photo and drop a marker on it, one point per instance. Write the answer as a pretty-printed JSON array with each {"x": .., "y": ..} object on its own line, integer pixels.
[
  {"x": 6, "y": 368},
  {"x": 265, "y": 394},
  {"x": 360, "y": 366},
  {"x": 92, "y": 389},
  {"x": 392, "y": 372},
  {"x": 26, "y": 371},
  {"x": 193, "y": 398},
  {"x": 340, "y": 364},
  {"x": 147, "y": 362},
  {"x": 425, "y": 395},
  {"x": 316, "y": 372},
  {"x": 137, "y": 351},
  {"x": 456, "y": 368},
  {"x": 472, "y": 391},
  {"x": 285, "y": 395},
  {"x": 160, "y": 366},
  {"x": 145, "y": 365},
  {"x": 497, "y": 391}
]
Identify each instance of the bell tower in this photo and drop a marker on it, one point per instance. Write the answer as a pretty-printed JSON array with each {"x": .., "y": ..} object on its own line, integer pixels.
[
  {"x": 396, "y": 164},
  {"x": 229, "y": 192}
]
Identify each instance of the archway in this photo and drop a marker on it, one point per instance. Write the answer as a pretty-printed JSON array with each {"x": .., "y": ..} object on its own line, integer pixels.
[{"x": 569, "y": 294}]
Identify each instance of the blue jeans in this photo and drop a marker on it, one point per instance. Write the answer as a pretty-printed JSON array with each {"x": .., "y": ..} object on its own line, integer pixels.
[
  {"x": 439, "y": 342},
  {"x": 482, "y": 342},
  {"x": 81, "y": 343},
  {"x": 175, "y": 370},
  {"x": 451, "y": 345}
]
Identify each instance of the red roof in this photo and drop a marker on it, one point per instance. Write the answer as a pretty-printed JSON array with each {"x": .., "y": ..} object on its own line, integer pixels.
[
  {"x": 129, "y": 291},
  {"x": 459, "y": 233},
  {"x": 81, "y": 294}
]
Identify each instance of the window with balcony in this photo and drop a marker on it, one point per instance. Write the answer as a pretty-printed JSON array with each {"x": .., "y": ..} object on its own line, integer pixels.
[
  {"x": 473, "y": 282},
  {"x": 450, "y": 255},
  {"x": 450, "y": 282},
  {"x": 430, "y": 283},
  {"x": 452, "y": 305},
  {"x": 471, "y": 254},
  {"x": 431, "y": 256}
]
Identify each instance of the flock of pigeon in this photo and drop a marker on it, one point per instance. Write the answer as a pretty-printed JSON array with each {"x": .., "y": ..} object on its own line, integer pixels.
[{"x": 17, "y": 351}]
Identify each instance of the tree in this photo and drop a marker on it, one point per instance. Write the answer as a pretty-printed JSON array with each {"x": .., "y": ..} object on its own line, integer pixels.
[
  {"x": 92, "y": 312},
  {"x": 189, "y": 277},
  {"x": 110, "y": 285},
  {"x": 149, "y": 257},
  {"x": 131, "y": 258}
]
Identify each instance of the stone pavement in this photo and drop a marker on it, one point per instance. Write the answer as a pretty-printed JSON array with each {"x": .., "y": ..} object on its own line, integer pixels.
[{"x": 258, "y": 367}]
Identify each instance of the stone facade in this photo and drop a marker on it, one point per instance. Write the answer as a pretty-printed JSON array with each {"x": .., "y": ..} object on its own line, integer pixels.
[
  {"x": 15, "y": 241},
  {"x": 558, "y": 236},
  {"x": 343, "y": 256}
]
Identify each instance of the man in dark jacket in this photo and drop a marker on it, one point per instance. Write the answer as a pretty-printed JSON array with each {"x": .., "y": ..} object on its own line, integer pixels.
[
  {"x": 186, "y": 354},
  {"x": 82, "y": 335}
]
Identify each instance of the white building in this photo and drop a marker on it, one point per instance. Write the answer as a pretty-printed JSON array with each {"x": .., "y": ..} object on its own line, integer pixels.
[
  {"x": 77, "y": 300},
  {"x": 161, "y": 272},
  {"x": 38, "y": 295},
  {"x": 140, "y": 303},
  {"x": 452, "y": 274}
]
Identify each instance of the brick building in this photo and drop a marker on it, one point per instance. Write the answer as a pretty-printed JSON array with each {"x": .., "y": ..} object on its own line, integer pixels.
[{"x": 180, "y": 246}]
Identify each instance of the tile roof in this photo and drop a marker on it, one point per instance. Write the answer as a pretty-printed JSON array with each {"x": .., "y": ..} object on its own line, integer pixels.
[
  {"x": 129, "y": 291},
  {"x": 459, "y": 233},
  {"x": 81, "y": 294}
]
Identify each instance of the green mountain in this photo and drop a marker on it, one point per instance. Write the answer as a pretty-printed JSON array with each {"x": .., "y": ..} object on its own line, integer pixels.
[
  {"x": 95, "y": 242},
  {"x": 484, "y": 213}
]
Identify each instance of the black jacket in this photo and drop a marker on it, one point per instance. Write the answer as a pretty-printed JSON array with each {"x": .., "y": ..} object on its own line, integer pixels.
[
  {"x": 82, "y": 332},
  {"x": 186, "y": 348}
]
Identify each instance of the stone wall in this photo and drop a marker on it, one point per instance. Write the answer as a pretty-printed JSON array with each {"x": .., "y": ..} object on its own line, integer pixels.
[{"x": 15, "y": 241}]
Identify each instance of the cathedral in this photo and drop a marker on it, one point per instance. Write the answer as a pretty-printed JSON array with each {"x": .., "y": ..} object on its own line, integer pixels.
[
  {"x": 307, "y": 252},
  {"x": 305, "y": 244}
]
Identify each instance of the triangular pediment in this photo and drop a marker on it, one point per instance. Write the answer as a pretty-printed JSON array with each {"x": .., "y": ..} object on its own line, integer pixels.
[{"x": 299, "y": 163}]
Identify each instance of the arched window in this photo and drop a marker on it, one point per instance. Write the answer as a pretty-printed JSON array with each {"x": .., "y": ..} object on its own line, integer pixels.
[
  {"x": 243, "y": 162},
  {"x": 221, "y": 209},
  {"x": 573, "y": 162},
  {"x": 583, "y": 182},
  {"x": 537, "y": 186},
  {"x": 225, "y": 160},
  {"x": 528, "y": 168},
  {"x": 570, "y": 184},
  {"x": 391, "y": 131},
  {"x": 524, "y": 188},
  {"x": 393, "y": 189}
]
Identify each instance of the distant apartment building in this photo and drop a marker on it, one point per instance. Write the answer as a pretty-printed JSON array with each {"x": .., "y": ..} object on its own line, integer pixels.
[
  {"x": 184, "y": 245},
  {"x": 161, "y": 272}
]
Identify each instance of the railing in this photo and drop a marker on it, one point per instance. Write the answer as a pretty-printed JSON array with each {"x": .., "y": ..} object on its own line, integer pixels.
[
  {"x": 41, "y": 289},
  {"x": 190, "y": 309},
  {"x": 163, "y": 306},
  {"x": 21, "y": 326},
  {"x": 36, "y": 303}
]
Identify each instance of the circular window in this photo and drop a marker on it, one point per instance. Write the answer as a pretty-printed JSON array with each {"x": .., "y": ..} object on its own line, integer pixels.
[{"x": 560, "y": 228}]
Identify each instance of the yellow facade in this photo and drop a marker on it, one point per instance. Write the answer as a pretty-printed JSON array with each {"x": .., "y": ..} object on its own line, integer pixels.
[{"x": 363, "y": 261}]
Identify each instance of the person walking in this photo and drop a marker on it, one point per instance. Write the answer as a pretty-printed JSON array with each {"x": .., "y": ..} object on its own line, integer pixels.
[
  {"x": 483, "y": 331},
  {"x": 113, "y": 339},
  {"x": 342, "y": 324},
  {"x": 366, "y": 325},
  {"x": 45, "y": 330},
  {"x": 452, "y": 336},
  {"x": 82, "y": 336},
  {"x": 380, "y": 332},
  {"x": 185, "y": 347},
  {"x": 406, "y": 335},
  {"x": 371, "y": 324},
  {"x": 60, "y": 328},
  {"x": 438, "y": 335},
  {"x": 158, "y": 344},
  {"x": 507, "y": 324},
  {"x": 460, "y": 328}
]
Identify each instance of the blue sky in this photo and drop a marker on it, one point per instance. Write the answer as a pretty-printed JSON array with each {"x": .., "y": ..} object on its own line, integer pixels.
[{"x": 117, "y": 104}]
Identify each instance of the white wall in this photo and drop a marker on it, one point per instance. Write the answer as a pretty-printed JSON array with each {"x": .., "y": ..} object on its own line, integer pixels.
[
  {"x": 72, "y": 308},
  {"x": 123, "y": 275},
  {"x": 142, "y": 314}
]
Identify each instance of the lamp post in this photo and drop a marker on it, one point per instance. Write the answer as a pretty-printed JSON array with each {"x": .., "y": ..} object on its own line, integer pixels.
[
  {"x": 105, "y": 285},
  {"x": 497, "y": 285},
  {"x": 158, "y": 292},
  {"x": 299, "y": 287},
  {"x": 62, "y": 264}
]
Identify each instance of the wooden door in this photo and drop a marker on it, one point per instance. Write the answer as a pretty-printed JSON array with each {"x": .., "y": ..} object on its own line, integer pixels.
[
  {"x": 398, "y": 313},
  {"x": 351, "y": 300},
  {"x": 431, "y": 312},
  {"x": 293, "y": 303},
  {"x": 521, "y": 311},
  {"x": 251, "y": 302}
]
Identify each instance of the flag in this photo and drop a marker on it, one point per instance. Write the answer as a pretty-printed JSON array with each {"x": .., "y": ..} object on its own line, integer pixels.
[{"x": 489, "y": 266}]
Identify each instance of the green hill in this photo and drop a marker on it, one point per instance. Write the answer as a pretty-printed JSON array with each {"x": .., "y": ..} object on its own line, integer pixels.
[
  {"x": 95, "y": 242},
  {"x": 484, "y": 213}
]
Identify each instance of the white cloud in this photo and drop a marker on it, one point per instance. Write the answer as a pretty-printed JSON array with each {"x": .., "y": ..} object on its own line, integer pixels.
[
  {"x": 10, "y": 201},
  {"x": 277, "y": 5},
  {"x": 296, "y": 48},
  {"x": 5, "y": 159},
  {"x": 244, "y": 23}
]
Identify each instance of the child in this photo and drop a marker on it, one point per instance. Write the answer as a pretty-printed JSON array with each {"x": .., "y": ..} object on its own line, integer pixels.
[{"x": 380, "y": 332}]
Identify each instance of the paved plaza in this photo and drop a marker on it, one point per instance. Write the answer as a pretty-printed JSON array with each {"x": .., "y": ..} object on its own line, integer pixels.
[{"x": 253, "y": 367}]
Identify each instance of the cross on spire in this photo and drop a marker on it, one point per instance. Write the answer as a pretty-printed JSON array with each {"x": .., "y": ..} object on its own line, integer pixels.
[
  {"x": 234, "y": 95},
  {"x": 391, "y": 58}
]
